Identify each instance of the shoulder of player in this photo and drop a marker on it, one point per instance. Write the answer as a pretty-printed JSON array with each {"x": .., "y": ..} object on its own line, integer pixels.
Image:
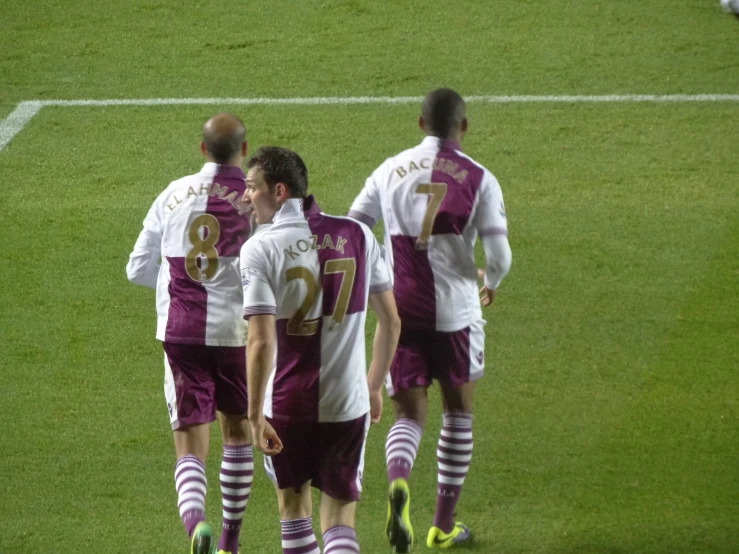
[
  {"x": 175, "y": 186},
  {"x": 488, "y": 179},
  {"x": 391, "y": 162},
  {"x": 254, "y": 248},
  {"x": 354, "y": 223},
  {"x": 185, "y": 181}
]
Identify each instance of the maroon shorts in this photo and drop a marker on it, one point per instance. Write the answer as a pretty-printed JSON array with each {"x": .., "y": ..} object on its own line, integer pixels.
[
  {"x": 329, "y": 455},
  {"x": 452, "y": 358},
  {"x": 198, "y": 380}
]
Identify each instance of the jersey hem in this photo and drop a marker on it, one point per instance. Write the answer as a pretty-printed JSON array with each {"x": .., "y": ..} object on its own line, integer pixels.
[
  {"x": 333, "y": 419},
  {"x": 201, "y": 342}
]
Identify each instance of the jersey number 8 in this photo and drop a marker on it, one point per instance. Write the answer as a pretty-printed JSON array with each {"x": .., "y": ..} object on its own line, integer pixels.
[{"x": 201, "y": 262}]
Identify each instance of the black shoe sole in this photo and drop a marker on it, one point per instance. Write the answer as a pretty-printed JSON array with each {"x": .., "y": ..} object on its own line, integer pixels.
[{"x": 397, "y": 534}]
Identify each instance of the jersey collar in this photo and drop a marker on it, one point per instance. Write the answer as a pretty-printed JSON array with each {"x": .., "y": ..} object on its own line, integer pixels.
[
  {"x": 227, "y": 171},
  {"x": 443, "y": 144},
  {"x": 297, "y": 207}
]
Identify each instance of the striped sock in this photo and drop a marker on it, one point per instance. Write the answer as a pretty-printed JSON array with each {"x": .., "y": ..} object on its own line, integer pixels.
[
  {"x": 298, "y": 537},
  {"x": 453, "y": 456},
  {"x": 340, "y": 540},
  {"x": 237, "y": 469},
  {"x": 401, "y": 448},
  {"x": 189, "y": 478}
]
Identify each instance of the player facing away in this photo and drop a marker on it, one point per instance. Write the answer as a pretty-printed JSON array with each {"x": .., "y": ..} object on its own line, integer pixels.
[
  {"x": 197, "y": 227},
  {"x": 435, "y": 201},
  {"x": 307, "y": 281}
]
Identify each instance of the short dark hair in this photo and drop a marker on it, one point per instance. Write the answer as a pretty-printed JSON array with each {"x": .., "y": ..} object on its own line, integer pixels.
[
  {"x": 280, "y": 165},
  {"x": 443, "y": 111},
  {"x": 223, "y": 136}
]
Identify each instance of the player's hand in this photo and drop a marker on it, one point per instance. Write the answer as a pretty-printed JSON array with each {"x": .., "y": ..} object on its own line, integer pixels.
[
  {"x": 265, "y": 437},
  {"x": 486, "y": 296},
  {"x": 375, "y": 405}
]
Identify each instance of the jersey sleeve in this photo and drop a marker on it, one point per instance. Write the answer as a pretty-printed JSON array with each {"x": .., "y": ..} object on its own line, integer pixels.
[
  {"x": 259, "y": 296},
  {"x": 380, "y": 280},
  {"x": 367, "y": 206},
  {"x": 143, "y": 263},
  {"x": 490, "y": 216}
]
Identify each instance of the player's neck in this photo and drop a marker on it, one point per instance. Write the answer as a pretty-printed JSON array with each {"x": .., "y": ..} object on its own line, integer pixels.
[
  {"x": 235, "y": 162},
  {"x": 457, "y": 137}
]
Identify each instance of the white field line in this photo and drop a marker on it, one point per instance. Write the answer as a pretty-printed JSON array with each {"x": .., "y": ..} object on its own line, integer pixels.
[
  {"x": 23, "y": 113},
  {"x": 329, "y": 100},
  {"x": 12, "y": 125}
]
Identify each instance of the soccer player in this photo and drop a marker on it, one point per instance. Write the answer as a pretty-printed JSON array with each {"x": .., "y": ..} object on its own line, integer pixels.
[
  {"x": 307, "y": 281},
  {"x": 197, "y": 227},
  {"x": 435, "y": 201}
]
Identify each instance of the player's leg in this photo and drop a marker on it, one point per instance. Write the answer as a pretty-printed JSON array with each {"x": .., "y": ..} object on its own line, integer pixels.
[
  {"x": 339, "y": 478},
  {"x": 237, "y": 472},
  {"x": 237, "y": 465},
  {"x": 454, "y": 453},
  {"x": 337, "y": 525},
  {"x": 401, "y": 447},
  {"x": 409, "y": 378},
  {"x": 189, "y": 393},
  {"x": 296, "y": 523},
  {"x": 460, "y": 365},
  {"x": 291, "y": 471}
]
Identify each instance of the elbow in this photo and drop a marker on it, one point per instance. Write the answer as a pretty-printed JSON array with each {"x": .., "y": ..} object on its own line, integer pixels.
[
  {"x": 257, "y": 346},
  {"x": 133, "y": 275},
  {"x": 137, "y": 277},
  {"x": 392, "y": 324}
]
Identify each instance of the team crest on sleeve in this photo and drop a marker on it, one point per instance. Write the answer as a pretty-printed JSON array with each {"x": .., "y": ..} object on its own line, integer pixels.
[
  {"x": 501, "y": 209},
  {"x": 245, "y": 277}
]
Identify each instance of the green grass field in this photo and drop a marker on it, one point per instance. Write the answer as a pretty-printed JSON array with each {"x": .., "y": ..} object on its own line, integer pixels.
[{"x": 608, "y": 418}]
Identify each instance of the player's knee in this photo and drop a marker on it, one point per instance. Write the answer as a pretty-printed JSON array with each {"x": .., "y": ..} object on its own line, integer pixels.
[
  {"x": 235, "y": 430},
  {"x": 416, "y": 415},
  {"x": 294, "y": 507}
]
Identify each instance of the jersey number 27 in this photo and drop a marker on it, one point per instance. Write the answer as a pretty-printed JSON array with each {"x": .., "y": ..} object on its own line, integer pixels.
[{"x": 298, "y": 324}]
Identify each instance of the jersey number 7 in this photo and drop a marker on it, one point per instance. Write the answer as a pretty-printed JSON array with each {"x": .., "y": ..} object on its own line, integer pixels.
[
  {"x": 437, "y": 192},
  {"x": 298, "y": 325}
]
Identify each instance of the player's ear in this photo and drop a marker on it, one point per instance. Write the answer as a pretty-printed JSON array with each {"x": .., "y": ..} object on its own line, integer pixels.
[
  {"x": 463, "y": 128},
  {"x": 421, "y": 123},
  {"x": 203, "y": 149},
  {"x": 244, "y": 147},
  {"x": 280, "y": 192}
]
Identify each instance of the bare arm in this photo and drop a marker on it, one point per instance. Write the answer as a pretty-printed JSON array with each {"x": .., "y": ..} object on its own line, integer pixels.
[
  {"x": 260, "y": 348},
  {"x": 383, "y": 347}
]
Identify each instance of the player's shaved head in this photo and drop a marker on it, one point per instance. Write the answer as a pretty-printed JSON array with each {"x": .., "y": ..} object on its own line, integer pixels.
[
  {"x": 223, "y": 135},
  {"x": 443, "y": 113}
]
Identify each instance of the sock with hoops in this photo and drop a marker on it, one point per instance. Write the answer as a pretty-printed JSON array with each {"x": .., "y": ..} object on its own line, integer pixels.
[{"x": 453, "y": 453}]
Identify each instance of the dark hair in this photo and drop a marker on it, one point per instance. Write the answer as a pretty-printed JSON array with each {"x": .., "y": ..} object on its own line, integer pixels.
[
  {"x": 443, "y": 111},
  {"x": 223, "y": 136},
  {"x": 280, "y": 165}
]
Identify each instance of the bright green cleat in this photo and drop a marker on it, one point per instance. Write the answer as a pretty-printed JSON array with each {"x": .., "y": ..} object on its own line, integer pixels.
[
  {"x": 399, "y": 530},
  {"x": 203, "y": 541},
  {"x": 439, "y": 539}
]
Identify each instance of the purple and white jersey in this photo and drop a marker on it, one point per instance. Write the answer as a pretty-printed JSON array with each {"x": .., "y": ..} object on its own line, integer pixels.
[
  {"x": 434, "y": 200},
  {"x": 314, "y": 272},
  {"x": 197, "y": 227}
]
